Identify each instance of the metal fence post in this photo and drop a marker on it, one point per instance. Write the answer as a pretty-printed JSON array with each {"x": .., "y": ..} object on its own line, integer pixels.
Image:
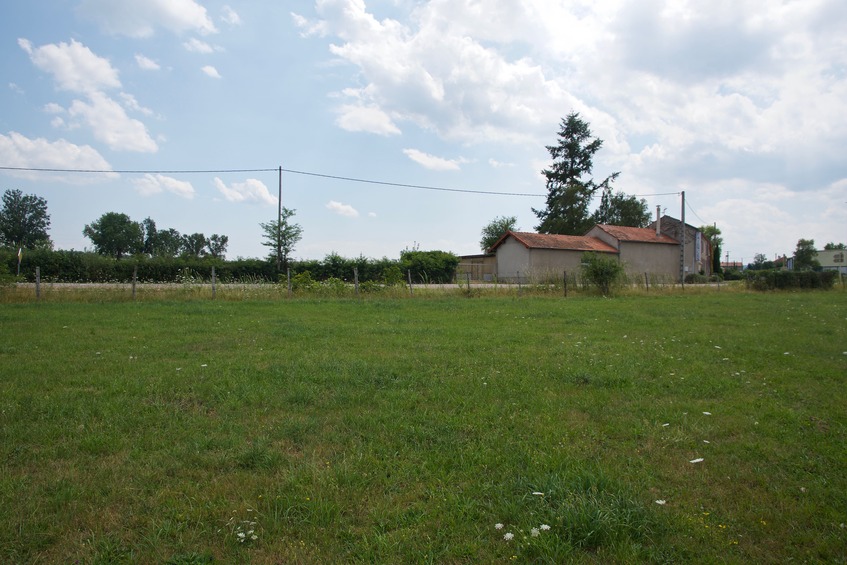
[{"x": 38, "y": 283}]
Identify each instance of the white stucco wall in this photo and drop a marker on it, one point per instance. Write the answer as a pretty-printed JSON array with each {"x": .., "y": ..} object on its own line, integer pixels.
[
  {"x": 512, "y": 259},
  {"x": 651, "y": 258}
]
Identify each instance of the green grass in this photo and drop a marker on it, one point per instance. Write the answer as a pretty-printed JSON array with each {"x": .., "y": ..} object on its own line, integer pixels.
[{"x": 403, "y": 430}]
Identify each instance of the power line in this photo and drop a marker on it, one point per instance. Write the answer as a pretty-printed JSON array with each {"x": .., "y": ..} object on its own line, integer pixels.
[
  {"x": 135, "y": 172},
  {"x": 294, "y": 172},
  {"x": 291, "y": 171},
  {"x": 695, "y": 213},
  {"x": 656, "y": 194}
]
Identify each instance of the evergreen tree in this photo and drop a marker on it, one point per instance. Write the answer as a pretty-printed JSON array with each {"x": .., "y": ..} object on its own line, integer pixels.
[{"x": 569, "y": 186}]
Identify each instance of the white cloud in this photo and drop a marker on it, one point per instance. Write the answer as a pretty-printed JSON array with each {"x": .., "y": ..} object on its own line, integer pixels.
[
  {"x": 433, "y": 162},
  {"x": 131, "y": 103},
  {"x": 371, "y": 214},
  {"x": 73, "y": 65},
  {"x": 76, "y": 68},
  {"x": 17, "y": 150},
  {"x": 228, "y": 15},
  {"x": 15, "y": 88},
  {"x": 368, "y": 119},
  {"x": 196, "y": 46},
  {"x": 433, "y": 72},
  {"x": 498, "y": 165},
  {"x": 141, "y": 18},
  {"x": 151, "y": 184},
  {"x": 146, "y": 64},
  {"x": 251, "y": 190},
  {"x": 342, "y": 209},
  {"x": 53, "y": 108},
  {"x": 211, "y": 71},
  {"x": 111, "y": 125}
]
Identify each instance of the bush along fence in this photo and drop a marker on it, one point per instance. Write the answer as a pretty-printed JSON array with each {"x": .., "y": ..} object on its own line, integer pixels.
[
  {"x": 87, "y": 267},
  {"x": 784, "y": 280}
]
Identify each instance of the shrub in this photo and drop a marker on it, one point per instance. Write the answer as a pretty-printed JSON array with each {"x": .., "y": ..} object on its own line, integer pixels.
[
  {"x": 781, "y": 280},
  {"x": 695, "y": 278},
  {"x": 430, "y": 266},
  {"x": 601, "y": 271},
  {"x": 303, "y": 281}
]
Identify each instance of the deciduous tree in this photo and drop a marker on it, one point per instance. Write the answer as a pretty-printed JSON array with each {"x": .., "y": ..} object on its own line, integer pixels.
[
  {"x": 620, "y": 209},
  {"x": 24, "y": 220},
  {"x": 216, "y": 245},
  {"x": 115, "y": 234},
  {"x": 804, "y": 255},
  {"x": 496, "y": 229},
  {"x": 194, "y": 245},
  {"x": 281, "y": 235}
]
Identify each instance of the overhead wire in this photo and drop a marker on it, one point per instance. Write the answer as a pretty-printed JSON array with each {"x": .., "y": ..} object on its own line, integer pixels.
[
  {"x": 296, "y": 172},
  {"x": 291, "y": 171},
  {"x": 693, "y": 212}
]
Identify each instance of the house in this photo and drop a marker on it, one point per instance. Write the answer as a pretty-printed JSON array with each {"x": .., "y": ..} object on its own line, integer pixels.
[
  {"x": 698, "y": 249},
  {"x": 524, "y": 256},
  {"x": 829, "y": 260},
  {"x": 641, "y": 250},
  {"x": 832, "y": 260}
]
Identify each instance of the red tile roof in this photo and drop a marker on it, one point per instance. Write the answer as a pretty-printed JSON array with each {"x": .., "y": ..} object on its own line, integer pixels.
[
  {"x": 554, "y": 241},
  {"x": 640, "y": 235}
]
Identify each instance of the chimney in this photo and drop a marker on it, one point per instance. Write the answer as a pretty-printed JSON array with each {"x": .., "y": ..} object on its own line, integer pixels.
[{"x": 658, "y": 222}]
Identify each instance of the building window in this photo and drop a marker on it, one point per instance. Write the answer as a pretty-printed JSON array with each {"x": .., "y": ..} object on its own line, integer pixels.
[{"x": 838, "y": 258}]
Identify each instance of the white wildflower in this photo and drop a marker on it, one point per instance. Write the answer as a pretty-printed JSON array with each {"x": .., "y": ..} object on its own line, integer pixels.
[
  {"x": 508, "y": 536},
  {"x": 498, "y": 526},
  {"x": 544, "y": 527},
  {"x": 534, "y": 532}
]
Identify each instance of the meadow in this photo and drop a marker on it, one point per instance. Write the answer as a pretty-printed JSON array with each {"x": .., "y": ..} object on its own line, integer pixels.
[{"x": 666, "y": 427}]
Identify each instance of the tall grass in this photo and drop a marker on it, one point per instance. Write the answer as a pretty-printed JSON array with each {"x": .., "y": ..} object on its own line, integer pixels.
[{"x": 405, "y": 430}]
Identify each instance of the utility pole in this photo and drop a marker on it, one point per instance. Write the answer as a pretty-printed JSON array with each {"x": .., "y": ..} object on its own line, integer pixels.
[
  {"x": 279, "y": 225},
  {"x": 682, "y": 245}
]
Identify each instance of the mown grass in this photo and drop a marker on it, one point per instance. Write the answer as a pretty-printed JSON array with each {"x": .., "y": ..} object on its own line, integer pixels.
[{"x": 401, "y": 431}]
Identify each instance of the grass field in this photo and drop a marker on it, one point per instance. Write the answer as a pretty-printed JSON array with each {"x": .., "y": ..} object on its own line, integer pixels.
[{"x": 667, "y": 428}]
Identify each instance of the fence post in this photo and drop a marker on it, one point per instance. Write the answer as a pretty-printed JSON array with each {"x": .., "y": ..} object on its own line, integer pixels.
[
  {"x": 134, "y": 279},
  {"x": 288, "y": 280},
  {"x": 356, "y": 279},
  {"x": 409, "y": 274},
  {"x": 565, "y": 281},
  {"x": 519, "y": 283},
  {"x": 646, "y": 282},
  {"x": 38, "y": 283},
  {"x": 213, "y": 282},
  {"x": 469, "y": 283}
]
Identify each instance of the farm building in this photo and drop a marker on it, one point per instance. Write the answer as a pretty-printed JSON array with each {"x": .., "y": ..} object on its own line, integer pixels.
[
  {"x": 523, "y": 256},
  {"x": 698, "y": 249}
]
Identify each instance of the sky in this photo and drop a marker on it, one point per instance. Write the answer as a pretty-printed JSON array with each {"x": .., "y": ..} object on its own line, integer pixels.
[{"x": 192, "y": 107}]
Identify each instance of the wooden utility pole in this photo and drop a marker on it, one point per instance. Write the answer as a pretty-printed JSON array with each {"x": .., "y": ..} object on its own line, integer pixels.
[
  {"x": 682, "y": 244},
  {"x": 279, "y": 225}
]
